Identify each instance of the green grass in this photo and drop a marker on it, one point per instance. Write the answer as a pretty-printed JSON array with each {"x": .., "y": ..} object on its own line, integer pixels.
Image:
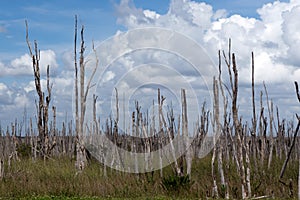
[{"x": 57, "y": 179}]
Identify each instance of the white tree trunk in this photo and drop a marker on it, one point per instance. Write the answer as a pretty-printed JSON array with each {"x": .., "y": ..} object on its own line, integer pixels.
[
  {"x": 248, "y": 171},
  {"x": 215, "y": 193},
  {"x": 185, "y": 133}
]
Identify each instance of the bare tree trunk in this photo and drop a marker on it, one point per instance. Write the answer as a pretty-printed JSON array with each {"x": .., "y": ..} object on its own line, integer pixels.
[
  {"x": 215, "y": 193},
  {"x": 237, "y": 127},
  {"x": 14, "y": 152},
  {"x": 80, "y": 149},
  {"x": 216, "y": 129},
  {"x": 294, "y": 138},
  {"x": 248, "y": 176},
  {"x": 254, "y": 120},
  {"x": 218, "y": 132},
  {"x": 43, "y": 105},
  {"x": 81, "y": 159},
  {"x": 270, "y": 110},
  {"x": 76, "y": 89},
  {"x": 185, "y": 133},
  {"x": 262, "y": 131},
  {"x": 160, "y": 133},
  {"x": 54, "y": 135},
  {"x": 170, "y": 136}
]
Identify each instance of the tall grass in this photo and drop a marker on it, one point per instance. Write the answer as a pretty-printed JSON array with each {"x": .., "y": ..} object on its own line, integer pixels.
[{"x": 58, "y": 178}]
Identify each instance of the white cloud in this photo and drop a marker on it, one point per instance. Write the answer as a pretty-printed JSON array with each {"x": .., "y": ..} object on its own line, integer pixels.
[
  {"x": 23, "y": 65},
  {"x": 151, "y": 14},
  {"x": 21, "y": 101},
  {"x": 291, "y": 34},
  {"x": 13, "y": 100},
  {"x": 198, "y": 14},
  {"x": 20, "y": 66},
  {"x": 274, "y": 37},
  {"x": 5, "y": 94},
  {"x": 68, "y": 60},
  {"x": 108, "y": 76}
]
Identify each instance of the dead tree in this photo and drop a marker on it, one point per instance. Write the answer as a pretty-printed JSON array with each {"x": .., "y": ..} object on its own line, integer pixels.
[
  {"x": 185, "y": 133},
  {"x": 238, "y": 128},
  {"x": 216, "y": 129},
  {"x": 81, "y": 159},
  {"x": 294, "y": 138},
  {"x": 160, "y": 131},
  {"x": 254, "y": 119},
  {"x": 270, "y": 110},
  {"x": 222, "y": 130},
  {"x": 169, "y": 133},
  {"x": 240, "y": 149},
  {"x": 43, "y": 103}
]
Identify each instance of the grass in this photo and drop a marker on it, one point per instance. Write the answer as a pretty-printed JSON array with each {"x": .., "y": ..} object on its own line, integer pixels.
[{"x": 57, "y": 179}]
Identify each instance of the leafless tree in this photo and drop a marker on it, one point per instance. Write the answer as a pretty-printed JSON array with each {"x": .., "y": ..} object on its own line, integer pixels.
[
  {"x": 80, "y": 101},
  {"x": 43, "y": 103}
]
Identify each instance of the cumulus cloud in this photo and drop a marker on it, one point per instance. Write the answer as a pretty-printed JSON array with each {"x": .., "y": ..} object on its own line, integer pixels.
[
  {"x": 23, "y": 65},
  {"x": 15, "y": 98},
  {"x": 274, "y": 37},
  {"x": 291, "y": 34},
  {"x": 68, "y": 60},
  {"x": 5, "y": 94},
  {"x": 13, "y": 101}
]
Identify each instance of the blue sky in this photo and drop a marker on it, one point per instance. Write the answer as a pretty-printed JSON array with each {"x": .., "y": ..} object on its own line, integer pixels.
[
  {"x": 51, "y": 22},
  {"x": 262, "y": 26}
]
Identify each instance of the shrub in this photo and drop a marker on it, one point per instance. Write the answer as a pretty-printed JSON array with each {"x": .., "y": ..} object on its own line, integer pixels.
[
  {"x": 24, "y": 150},
  {"x": 176, "y": 183}
]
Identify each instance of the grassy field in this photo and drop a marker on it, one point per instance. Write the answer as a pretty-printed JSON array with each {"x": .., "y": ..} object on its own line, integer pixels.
[{"x": 57, "y": 179}]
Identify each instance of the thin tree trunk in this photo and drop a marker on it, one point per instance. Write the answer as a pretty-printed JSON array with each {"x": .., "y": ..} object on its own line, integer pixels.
[
  {"x": 42, "y": 108},
  {"x": 237, "y": 127},
  {"x": 270, "y": 110},
  {"x": 254, "y": 120},
  {"x": 262, "y": 128},
  {"x": 160, "y": 133},
  {"x": 248, "y": 175},
  {"x": 290, "y": 150},
  {"x": 185, "y": 133},
  {"x": 215, "y": 193}
]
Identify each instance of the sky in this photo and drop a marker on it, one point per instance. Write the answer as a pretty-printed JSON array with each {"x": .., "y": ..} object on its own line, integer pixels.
[{"x": 271, "y": 29}]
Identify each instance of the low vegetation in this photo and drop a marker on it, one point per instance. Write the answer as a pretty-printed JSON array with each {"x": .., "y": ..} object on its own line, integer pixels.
[{"x": 58, "y": 178}]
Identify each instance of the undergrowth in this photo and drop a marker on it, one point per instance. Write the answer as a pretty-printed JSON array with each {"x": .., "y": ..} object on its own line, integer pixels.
[{"x": 58, "y": 178}]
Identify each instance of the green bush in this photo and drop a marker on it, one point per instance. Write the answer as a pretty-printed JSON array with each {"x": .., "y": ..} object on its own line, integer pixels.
[
  {"x": 24, "y": 150},
  {"x": 176, "y": 183}
]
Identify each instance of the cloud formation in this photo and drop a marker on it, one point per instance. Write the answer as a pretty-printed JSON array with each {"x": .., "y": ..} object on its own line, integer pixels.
[
  {"x": 23, "y": 65},
  {"x": 274, "y": 36}
]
